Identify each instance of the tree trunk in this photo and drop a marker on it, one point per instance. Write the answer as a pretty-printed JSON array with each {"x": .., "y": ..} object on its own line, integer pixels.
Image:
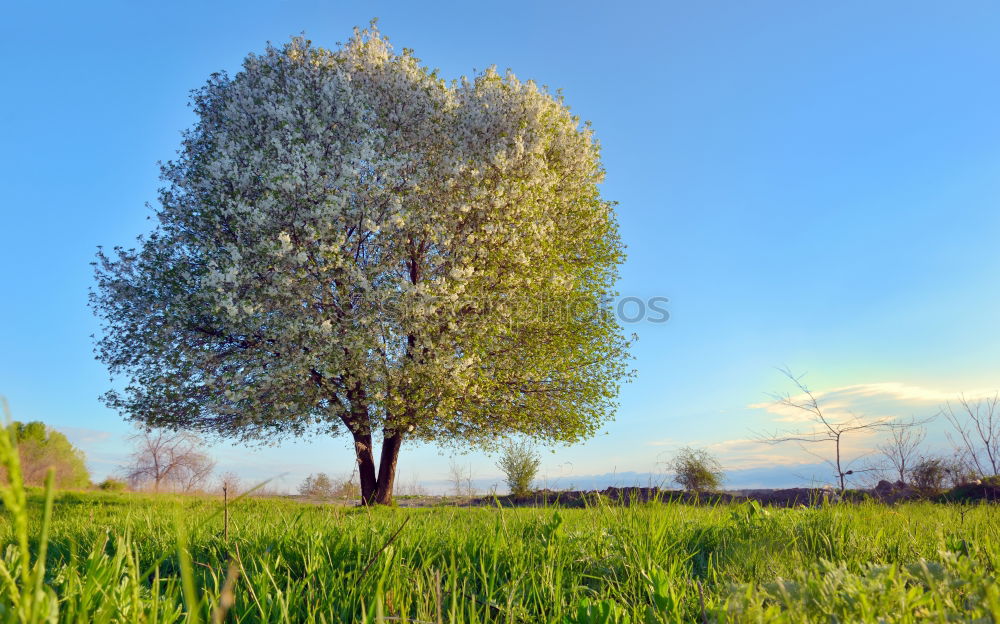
[
  {"x": 358, "y": 424},
  {"x": 387, "y": 467},
  {"x": 377, "y": 490},
  {"x": 366, "y": 467}
]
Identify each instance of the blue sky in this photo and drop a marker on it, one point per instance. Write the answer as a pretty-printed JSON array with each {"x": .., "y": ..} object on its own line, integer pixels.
[{"x": 812, "y": 185}]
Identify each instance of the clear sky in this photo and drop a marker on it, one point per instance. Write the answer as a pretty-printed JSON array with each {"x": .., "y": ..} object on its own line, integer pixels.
[{"x": 813, "y": 185}]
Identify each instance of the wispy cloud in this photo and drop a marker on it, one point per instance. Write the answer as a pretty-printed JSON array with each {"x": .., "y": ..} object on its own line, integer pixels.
[
  {"x": 910, "y": 393},
  {"x": 81, "y": 435},
  {"x": 665, "y": 442},
  {"x": 871, "y": 400}
]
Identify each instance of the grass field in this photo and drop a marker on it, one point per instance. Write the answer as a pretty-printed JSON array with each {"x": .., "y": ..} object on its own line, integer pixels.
[{"x": 135, "y": 558}]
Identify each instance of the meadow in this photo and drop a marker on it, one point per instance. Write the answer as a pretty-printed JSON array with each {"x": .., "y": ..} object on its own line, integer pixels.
[{"x": 121, "y": 557}]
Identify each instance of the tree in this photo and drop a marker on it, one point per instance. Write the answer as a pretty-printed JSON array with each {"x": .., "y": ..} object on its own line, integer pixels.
[
  {"x": 174, "y": 459},
  {"x": 977, "y": 427},
  {"x": 348, "y": 244},
  {"x": 519, "y": 463},
  {"x": 826, "y": 429},
  {"x": 41, "y": 448},
  {"x": 901, "y": 447},
  {"x": 696, "y": 470},
  {"x": 230, "y": 483},
  {"x": 929, "y": 474},
  {"x": 461, "y": 478},
  {"x": 317, "y": 486}
]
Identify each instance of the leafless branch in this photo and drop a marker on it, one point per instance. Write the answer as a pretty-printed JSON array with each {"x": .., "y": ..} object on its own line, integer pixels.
[
  {"x": 825, "y": 428},
  {"x": 900, "y": 449},
  {"x": 977, "y": 432},
  {"x": 164, "y": 458}
]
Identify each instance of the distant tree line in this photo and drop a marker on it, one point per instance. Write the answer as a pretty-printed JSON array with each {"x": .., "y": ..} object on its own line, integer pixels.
[{"x": 41, "y": 448}]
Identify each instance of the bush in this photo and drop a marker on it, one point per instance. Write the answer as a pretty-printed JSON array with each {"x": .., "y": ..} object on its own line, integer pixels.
[
  {"x": 321, "y": 486},
  {"x": 317, "y": 486},
  {"x": 519, "y": 463},
  {"x": 959, "y": 472},
  {"x": 696, "y": 470},
  {"x": 112, "y": 485},
  {"x": 929, "y": 475},
  {"x": 348, "y": 488}
]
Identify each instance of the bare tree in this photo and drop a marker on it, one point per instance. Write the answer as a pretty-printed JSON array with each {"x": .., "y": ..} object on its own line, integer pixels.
[
  {"x": 230, "y": 482},
  {"x": 977, "y": 433},
  {"x": 175, "y": 459},
  {"x": 825, "y": 428},
  {"x": 197, "y": 473},
  {"x": 461, "y": 478},
  {"x": 413, "y": 487},
  {"x": 900, "y": 449}
]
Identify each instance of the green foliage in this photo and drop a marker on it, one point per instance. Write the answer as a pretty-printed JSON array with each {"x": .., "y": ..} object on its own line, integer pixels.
[
  {"x": 929, "y": 475},
  {"x": 112, "y": 485},
  {"x": 41, "y": 448},
  {"x": 696, "y": 470},
  {"x": 347, "y": 243},
  {"x": 24, "y": 595},
  {"x": 519, "y": 463}
]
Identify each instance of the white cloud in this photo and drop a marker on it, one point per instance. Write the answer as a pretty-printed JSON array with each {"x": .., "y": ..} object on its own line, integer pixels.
[
  {"x": 81, "y": 435},
  {"x": 665, "y": 442},
  {"x": 872, "y": 400}
]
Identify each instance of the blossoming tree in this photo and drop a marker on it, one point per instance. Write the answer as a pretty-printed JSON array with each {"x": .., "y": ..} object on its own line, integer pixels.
[{"x": 348, "y": 244}]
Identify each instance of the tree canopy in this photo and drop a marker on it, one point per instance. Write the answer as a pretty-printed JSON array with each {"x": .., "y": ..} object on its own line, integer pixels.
[
  {"x": 41, "y": 448},
  {"x": 348, "y": 243}
]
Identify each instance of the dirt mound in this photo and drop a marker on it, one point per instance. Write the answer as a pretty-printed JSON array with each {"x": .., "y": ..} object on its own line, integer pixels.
[{"x": 888, "y": 492}]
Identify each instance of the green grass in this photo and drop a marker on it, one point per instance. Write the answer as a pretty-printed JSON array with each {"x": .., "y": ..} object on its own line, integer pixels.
[
  {"x": 117, "y": 557},
  {"x": 125, "y": 558}
]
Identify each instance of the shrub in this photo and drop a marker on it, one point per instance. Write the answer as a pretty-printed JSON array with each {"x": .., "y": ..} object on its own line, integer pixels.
[
  {"x": 321, "y": 486},
  {"x": 317, "y": 486},
  {"x": 112, "y": 485},
  {"x": 348, "y": 488},
  {"x": 696, "y": 470},
  {"x": 929, "y": 474},
  {"x": 960, "y": 473},
  {"x": 519, "y": 463}
]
